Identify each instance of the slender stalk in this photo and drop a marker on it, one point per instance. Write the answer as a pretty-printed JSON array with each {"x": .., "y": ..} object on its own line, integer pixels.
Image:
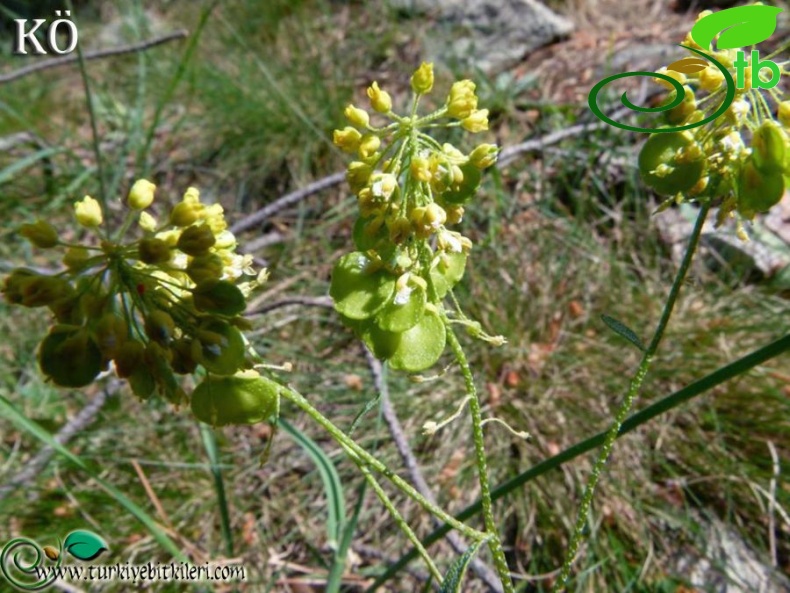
[
  {"x": 622, "y": 411},
  {"x": 210, "y": 444},
  {"x": 92, "y": 116},
  {"x": 404, "y": 526},
  {"x": 359, "y": 455},
  {"x": 492, "y": 530}
]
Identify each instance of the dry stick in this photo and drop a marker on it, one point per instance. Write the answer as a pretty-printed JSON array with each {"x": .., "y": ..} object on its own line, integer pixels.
[
  {"x": 480, "y": 568},
  {"x": 101, "y": 53},
  {"x": 84, "y": 418}
]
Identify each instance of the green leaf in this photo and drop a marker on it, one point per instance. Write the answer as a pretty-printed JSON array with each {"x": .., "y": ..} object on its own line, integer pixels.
[
  {"x": 84, "y": 545},
  {"x": 336, "y": 508},
  {"x": 739, "y": 26},
  {"x": 358, "y": 292},
  {"x": 455, "y": 576},
  {"x": 623, "y": 330}
]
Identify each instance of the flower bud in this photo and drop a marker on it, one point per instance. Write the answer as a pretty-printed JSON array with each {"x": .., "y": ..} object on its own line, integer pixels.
[
  {"x": 420, "y": 169},
  {"x": 142, "y": 194},
  {"x": 88, "y": 212},
  {"x": 347, "y": 139},
  {"x": 379, "y": 100},
  {"x": 40, "y": 291},
  {"x": 369, "y": 145},
  {"x": 434, "y": 216},
  {"x": 357, "y": 117},
  {"x": 147, "y": 222},
  {"x": 357, "y": 175},
  {"x": 196, "y": 240},
  {"x": 462, "y": 100},
  {"x": 422, "y": 79},
  {"x": 475, "y": 122},
  {"x": 153, "y": 251},
  {"x": 206, "y": 267},
  {"x": 484, "y": 155},
  {"x": 783, "y": 113},
  {"x": 711, "y": 79},
  {"x": 400, "y": 229},
  {"x": 186, "y": 213}
]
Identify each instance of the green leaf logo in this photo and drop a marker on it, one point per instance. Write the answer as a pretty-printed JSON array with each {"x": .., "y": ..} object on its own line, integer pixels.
[
  {"x": 84, "y": 545},
  {"x": 739, "y": 26}
]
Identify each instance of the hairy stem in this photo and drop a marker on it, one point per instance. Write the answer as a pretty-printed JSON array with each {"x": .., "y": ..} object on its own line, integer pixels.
[
  {"x": 359, "y": 455},
  {"x": 492, "y": 530},
  {"x": 622, "y": 411}
]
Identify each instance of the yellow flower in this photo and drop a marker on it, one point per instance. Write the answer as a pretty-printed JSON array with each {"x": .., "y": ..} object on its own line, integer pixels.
[
  {"x": 422, "y": 79},
  {"x": 484, "y": 156},
  {"x": 347, "y": 139},
  {"x": 88, "y": 212},
  {"x": 357, "y": 117},
  {"x": 475, "y": 122},
  {"x": 369, "y": 145},
  {"x": 379, "y": 100},
  {"x": 462, "y": 100},
  {"x": 142, "y": 194}
]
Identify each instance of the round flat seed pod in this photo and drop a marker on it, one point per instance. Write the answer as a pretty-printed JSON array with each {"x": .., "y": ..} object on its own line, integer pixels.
[
  {"x": 758, "y": 191},
  {"x": 219, "y": 347},
  {"x": 238, "y": 399},
  {"x": 403, "y": 311},
  {"x": 661, "y": 149},
  {"x": 69, "y": 357},
  {"x": 448, "y": 272},
  {"x": 421, "y": 346},
  {"x": 359, "y": 293}
]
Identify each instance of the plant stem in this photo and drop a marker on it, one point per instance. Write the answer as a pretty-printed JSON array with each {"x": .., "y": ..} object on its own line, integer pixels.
[
  {"x": 359, "y": 455},
  {"x": 395, "y": 514},
  {"x": 494, "y": 543},
  {"x": 622, "y": 411}
]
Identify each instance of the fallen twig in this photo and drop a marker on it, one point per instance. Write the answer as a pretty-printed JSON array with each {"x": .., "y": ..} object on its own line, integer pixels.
[{"x": 94, "y": 55}]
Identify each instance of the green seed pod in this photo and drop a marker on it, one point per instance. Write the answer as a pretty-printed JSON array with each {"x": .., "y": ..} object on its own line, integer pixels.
[
  {"x": 404, "y": 310},
  {"x": 196, "y": 240},
  {"x": 358, "y": 290},
  {"x": 245, "y": 398},
  {"x": 769, "y": 147},
  {"x": 142, "y": 383},
  {"x": 15, "y": 283},
  {"x": 129, "y": 357},
  {"x": 153, "y": 251},
  {"x": 758, "y": 191},
  {"x": 219, "y": 347},
  {"x": 220, "y": 297},
  {"x": 111, "y": 331},
  {"x": 159, "y": 326},
  {"x": 183, "y": 362},
  {"x": 69, "y": 357},
  {"x": 40, "y": 291},
  {"x": 421, "y": 346},
  {"x": 659, "y": 168},
  {"x": 40, "y": 233},
  {"x": 205, "y": 268},
  {"x": 449, "y": 269}
]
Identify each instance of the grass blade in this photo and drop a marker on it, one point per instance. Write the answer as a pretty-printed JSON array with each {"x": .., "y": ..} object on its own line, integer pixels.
[
  {"x": 210, "y": 444},
  {"x": 21, "y": 421},
  {"x": 336, "y": 508}
]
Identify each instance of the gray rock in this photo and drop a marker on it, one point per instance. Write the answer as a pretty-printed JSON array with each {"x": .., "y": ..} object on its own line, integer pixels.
[{"x": 491, "y": 35}]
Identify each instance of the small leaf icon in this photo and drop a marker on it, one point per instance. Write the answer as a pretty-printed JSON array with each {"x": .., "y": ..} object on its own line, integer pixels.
[
  {"x": 84, "y": 545},
  {"x": 739, "y": 26},
  {"x": 623, "y": 330},
  {"x": 688, "y": 65}
]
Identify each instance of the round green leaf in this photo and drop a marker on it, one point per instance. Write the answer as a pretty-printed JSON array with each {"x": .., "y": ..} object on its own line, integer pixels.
[{"x": 357, "y": 292}]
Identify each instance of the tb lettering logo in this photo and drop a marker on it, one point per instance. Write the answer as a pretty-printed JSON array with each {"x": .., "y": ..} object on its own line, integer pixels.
[{"x": 736, "y": 28}]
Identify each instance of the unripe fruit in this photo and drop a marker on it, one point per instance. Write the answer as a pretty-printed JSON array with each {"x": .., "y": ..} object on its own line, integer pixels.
[
  {"x": 660, "y": 169},
  {"x": 196, "y": 240},
  {"x": 758, "y": 191},
  {"x": 153, "y": 251},
  {"x": 159, "y": 326},
  {"x": 69, "y": 357},
  {"x": 768, "y": 144},
  {"x": 358, "y": 291},
  {"x": 246, "y": 398},
  {"x": 219, "y": 347}
]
